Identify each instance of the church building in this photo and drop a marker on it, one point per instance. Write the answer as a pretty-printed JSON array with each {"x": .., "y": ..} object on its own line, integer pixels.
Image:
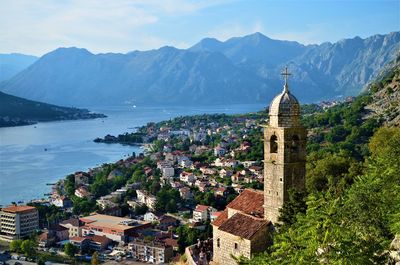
[{"x": 246, "y": 225}]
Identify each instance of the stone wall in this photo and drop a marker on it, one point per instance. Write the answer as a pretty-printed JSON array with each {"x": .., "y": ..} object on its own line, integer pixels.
[
  {"x": 283, "y": 168},
  {"x": 223, "y": 253},
  {"x": 189, "y": 258}
]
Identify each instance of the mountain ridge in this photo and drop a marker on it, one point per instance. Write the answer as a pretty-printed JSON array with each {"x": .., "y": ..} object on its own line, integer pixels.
[
  {"x": 238, "y": 70},
  {"x": 12, "y": 63}
]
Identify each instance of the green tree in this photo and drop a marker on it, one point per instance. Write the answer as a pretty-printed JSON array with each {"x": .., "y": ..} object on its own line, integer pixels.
[
  {"x": 95, "y": 258},
  {"x": 15, "y": 245},
  {"x": 331, "y": 171},
  {"x": 69, "y": 185},
  {"x": 28, "y": 247},
  {"x": 41, "y": 261},
  {"x": 294, "y": 206},
  {"x": 167, "y": 198},
  {"x": 140, "y": 209},
  {"x": 70, "y": 249}
]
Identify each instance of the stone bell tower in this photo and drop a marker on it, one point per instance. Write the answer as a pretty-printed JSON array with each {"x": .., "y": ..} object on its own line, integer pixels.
[{"x": 284, "y": 152}]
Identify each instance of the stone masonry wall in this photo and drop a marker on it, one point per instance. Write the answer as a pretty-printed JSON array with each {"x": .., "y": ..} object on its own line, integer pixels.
[
  {"x": 226, "y": 248},
  {"x": 284, "y": 169}
]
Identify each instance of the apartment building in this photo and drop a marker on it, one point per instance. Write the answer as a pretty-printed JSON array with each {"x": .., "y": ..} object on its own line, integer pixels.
[
  {"x": 151, "y": 251},
  {"x": 17, "y": 222}
]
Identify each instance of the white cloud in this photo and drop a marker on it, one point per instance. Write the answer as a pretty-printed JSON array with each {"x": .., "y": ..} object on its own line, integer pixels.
[{"x": 36, "y": 27}]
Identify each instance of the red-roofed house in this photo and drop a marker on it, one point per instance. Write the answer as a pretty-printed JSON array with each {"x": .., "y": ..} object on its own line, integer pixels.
[
  {"x": 215, "y": 215},
  {"x": 81, "y": 243},
  {"x": 98, "y": 243},
  {"x": 221, "y": 191},
  {"x": 202, "y": 213},
  {"x": 241, "y": 229}
]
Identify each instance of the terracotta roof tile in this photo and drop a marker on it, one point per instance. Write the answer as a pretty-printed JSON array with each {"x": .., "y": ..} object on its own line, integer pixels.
[
  {"x": 201, "y": 208},
  {"x": 99, "y": 239},
  {"x": 77, "y": 239},
  {"x": 72, "y": 221},
  {"x": 250, "y": 202},
  {"x": 242, "y": 225},
  {"x": 221, "y": 218},
  {"x": 171, "y": 242},
  {"x": 18, "y": 209},
  {"x": 43, "y": 236}
]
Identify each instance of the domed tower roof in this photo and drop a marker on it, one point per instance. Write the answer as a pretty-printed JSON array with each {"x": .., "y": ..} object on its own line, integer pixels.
[{"x": 284, "y": 110}]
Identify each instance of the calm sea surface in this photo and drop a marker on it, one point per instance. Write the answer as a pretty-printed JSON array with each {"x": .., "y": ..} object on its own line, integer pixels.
[{"x": 31, "y": 156}]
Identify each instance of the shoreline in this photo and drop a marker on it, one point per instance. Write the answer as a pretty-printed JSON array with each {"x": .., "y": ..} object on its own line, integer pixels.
[
  {"x": 142, "y": 146},
  {"x": 34, "y": 122}
]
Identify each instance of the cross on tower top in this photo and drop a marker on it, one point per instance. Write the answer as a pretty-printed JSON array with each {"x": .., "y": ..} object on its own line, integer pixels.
[{"x": 286, "y": 74}]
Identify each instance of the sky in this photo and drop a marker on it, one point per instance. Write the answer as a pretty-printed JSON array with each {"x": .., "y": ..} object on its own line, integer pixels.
[{"x": 39, "y": 26}]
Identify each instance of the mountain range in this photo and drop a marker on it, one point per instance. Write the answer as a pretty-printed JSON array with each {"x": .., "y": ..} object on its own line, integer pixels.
[
  {"x": 239, "y": 70},
  {"x": 13, "y": 63}
]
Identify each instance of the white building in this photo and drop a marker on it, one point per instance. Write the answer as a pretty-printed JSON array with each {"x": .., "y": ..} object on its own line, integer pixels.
[
  {"x": 17, "y": 222},
  {"x": 202, "y": 213},
  {"x": 150, "y": 217},
  {"x": 186, "y": 163},
  {"x": 219, "y": 151},
  {"x": 145, "y": 198},
  {"x": 187, "y": 177},
  {"x": 167, "y": 171}
]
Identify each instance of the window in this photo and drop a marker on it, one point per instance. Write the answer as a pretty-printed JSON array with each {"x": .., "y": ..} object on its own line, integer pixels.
[
  {"x": 236, "y": 245},
  {"x": 218, "y": 242},
  {"x": 295, "y": 144},
  {"x": 273, "y": 144}
]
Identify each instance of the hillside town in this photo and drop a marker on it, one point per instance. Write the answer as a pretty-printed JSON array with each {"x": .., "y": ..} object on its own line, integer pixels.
[
  {"x": 207, "y": 189},
  {"x": 158, "y": 203}
]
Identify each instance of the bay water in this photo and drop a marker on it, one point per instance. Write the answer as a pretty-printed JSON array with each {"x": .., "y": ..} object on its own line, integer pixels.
[{"x": 35, "y": 155}]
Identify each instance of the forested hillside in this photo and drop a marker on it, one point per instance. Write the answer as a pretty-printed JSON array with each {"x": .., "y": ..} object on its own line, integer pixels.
[
  {"x": 16, "y": 111},
  {"x": 350, "y": 212}
]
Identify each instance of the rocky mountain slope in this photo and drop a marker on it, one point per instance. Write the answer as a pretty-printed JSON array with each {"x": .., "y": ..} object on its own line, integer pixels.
[
  {"x": 385, "y": 93},
  {"x": 239, "y": 70}
]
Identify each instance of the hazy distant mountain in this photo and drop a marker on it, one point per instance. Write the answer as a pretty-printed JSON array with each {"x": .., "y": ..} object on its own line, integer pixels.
[
  {"x": 15, "y": 111},
  {"x": 253, "y": 49},
  {"x": 13, "y": 63},
  {"x": 239, "y": 70}
]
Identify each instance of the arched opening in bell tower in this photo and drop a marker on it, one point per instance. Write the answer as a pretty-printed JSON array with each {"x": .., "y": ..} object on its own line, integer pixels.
[
  {"x": 295, "y": 144},
  {"x": 273, "y": 144}
]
